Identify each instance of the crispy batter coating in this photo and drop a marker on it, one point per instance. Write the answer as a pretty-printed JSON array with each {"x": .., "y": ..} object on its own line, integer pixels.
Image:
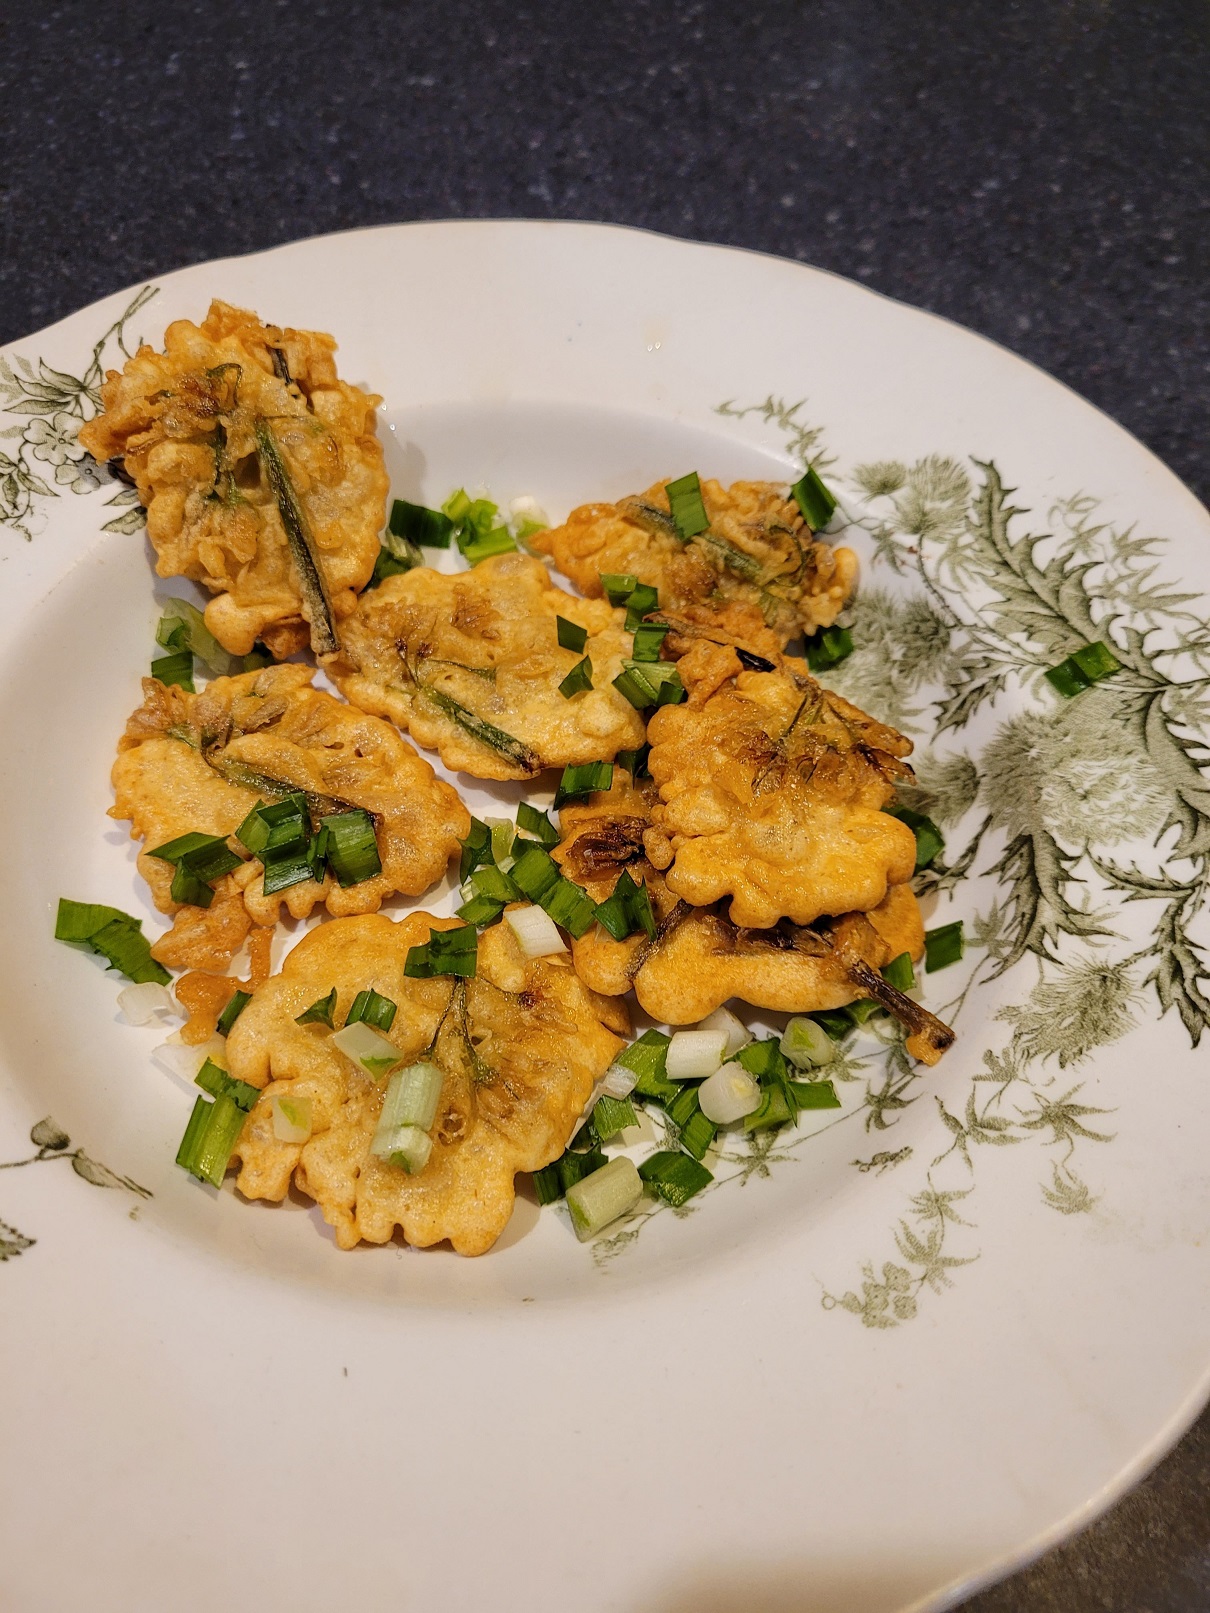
[
  {"x": 756, "y": 577},
  {"x": 185, "y": 424},
  {"x": 470, "y": 665},
  {"x": 520, "y": 1047},
  {"x": 201, "y": 762},
  {"x": 771, "y": 790}
]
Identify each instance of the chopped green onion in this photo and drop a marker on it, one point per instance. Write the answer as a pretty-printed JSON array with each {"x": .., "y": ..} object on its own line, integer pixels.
[
  {"x": 648, "y": 637},
  {"x": 479, "y": 911},
  {"x": 418, "y": 524},
  {"x": 806, "y": 1044},
  {"x": 929, "y": 841},
  {"x": 693, "y": 1055},
  {"x": 175, "y": 669},
  {"x": 837, "y": 1022},
  {"x": 407, "y": 1147},
  {"x": 284, "y": 871},
  {"x": 1083, "y": 668},
  {"x": 238, "y": 1002},
  {"x": 728, "y": 1095},
  {"x": 602, "y": 1197},
  {"x": 292, "y": 1119},
  {"x": 688, "y": 509},
  {"x": 215, "y": 1080},
  {"x": 674, "y": 1177},
  {"x": 365, "y": 1046},
  {"x": 763, "y": 1059},
  {"x": 552, "y": 1181},
  {"x": 113, "y": 935},
  {"x": 183, "y": 627},
  {"x": 899, "y": 972},
  {"x": 828, "y": 648},
  {"x": 411, "y": 1099},
  {"x": 503, "y": 832},
  {"x": 320, "y": 1011},
  {"x": 494, "y": 883},
  {"x": 536, "y": 933},
  {"x": 389, "y": 564},
  {"x": 583, "y": 780},
  {"x": 200, "y": 860},
  {"x": 628, "y": 909},
  {"x": 352, "y": 850},
  {"x": 476, "y": 849},
  {"x": 534, "y": 873},
  {"x": 643, "y": 598},
  {"x": 571, "y": 635},
  {"x": 537, "y": 823},
  {"x": 776, "y": 1109},
  {"x": 499, "y": 541},
  {"x": 612, "y": 1115},
  {"x": 618, "y": 588},
  {"x": 814, "y": 1094},
  {"x": 571, "y": 907},
  {"x": 861, "y": 1010},
  {"x": 647, "y": 1057},
  {"x": 943, "y": 946},
  {"x": 447, "y": 952},
  {"x": 211, "y": 1134},
  {"x": 650, "y": 683},
  {"x": 814, "y": 500},
  {"x": 370, "y": 1008},
  {"x": 634, "y": 761},
  {"x": 578, "y": 680},
  {"x": 696, "y": 1131},
  {"x": 737, "y": 1033}
]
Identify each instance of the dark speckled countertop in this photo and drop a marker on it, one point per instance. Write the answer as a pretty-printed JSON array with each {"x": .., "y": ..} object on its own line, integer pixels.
[{"x": 1037, "y": 171}]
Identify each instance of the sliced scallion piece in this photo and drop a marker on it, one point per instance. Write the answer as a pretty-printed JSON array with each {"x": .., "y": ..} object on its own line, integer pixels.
[
  {"x": 214, "y": 1080},
  {"x": 411, "y": 1099},
  {"x": 536, "y": 932},
  {"x": 238, "y": 1002},
  {"x": 647, "y": 1057},
  {"x": 494, "y": 883},
  {"x": 113, "y": 935},
  {"x": 183, "y": 627},
  {"x": 418, "y": 524},
  {"x": 583, "y": 780},
  {"x": 648, "y": 637},
  {"x": 408, "y": 1147},
  {"x": 320, "y": 1012},
  {"x": 929, "y": 841},
  {"x": 367, "y": 1047},
  {"x": 479, "y": 911},
  {"x": 688, "y": 509},
  {"x": 175, "y": 670},
  {"x": 628, "y": 909},
  {"x": 650, "y": 683},
  {"x": 612, "y": 1115},
  {"x": 211, "y": 1134},
  {"x": 571, "y": 635},
  {"x": 899, "y": 972},
  {"x": 534, "y": 873},
  {"x": 503, "y": 832},
  {"x": 352, "y": 849},
  {"x": 476, "y": 849},
  {"x": 369, "y": 1007},
  {"x": 943, "y": 946},
  {"x": 292, "y": 1118},
  {"x": 447, "y": 952},
  {"x": 728, "y": 1095},
  {"x": 618, "y": 586},
  {"x": 814, "y": 500},
  {"x": 828, "y": 648},
  {"x": 1083, "y": 668},
  {"x": 643, "y": 598},
  {"x": 578, "y": 680},
  {"x": 693, "y": 1055},
  {"x": 392, "y": 564},
  {"x": 814, "y": 1095},
  {"x": 537, "y": 823},
  {"x": 674, "y": 1177},
  {"x": 634, "y": 761},
  {"x": 571, "y": 907},
  {"x": 696, "y": 1131},
  {"x": 599, "y": 1199},
  {"x": 806, "y": 1044}
]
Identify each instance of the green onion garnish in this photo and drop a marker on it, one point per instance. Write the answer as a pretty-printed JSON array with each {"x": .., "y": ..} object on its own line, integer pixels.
[
  {"x": 688, "y": 509},
  {"x": 393, "y": 565},
  {"x": 1083, "y": 668},
  {"x": 211, "y": 1134},
  {"x": 583, "y": 780},
  {"x": 534, "y": 873},
  {"x": 648, "y": 1057},
  {"x": 571, "y": 635},
  {"x": 806, "y": 1044},
  {"x": 603, "y": 1196},
  {"x": 696, "y": 1132},
  {"x": 235, "y": 1007},
  {"x": 538, "y": 877},
  {"x": 175, "y": 669},
  {"x": 828, "y": 648},
  {"x": 284, "y": 823},
  {"x": 479, "y": 911},
  {"x": 814, "y": 500},
  {"x": 113, "y": 935},
  {"x": 929, "y": 841},
  {"x": 204, "y": 858},
  {"x": 320, "y": 1011},
  {"x": 635, "y": 761},
  {"x": 648, "y": 637},
  {"x": 499, "y": 541},
  {"x": 578, "y": 680},
  {"x": 537, "y": 823},
  {"x": 618, "y": 586},
  {"x": 899, "y": 972},
  {"x": 611, "y": 1115},
  {"x": 183, "y": 627},
  {"x": 352, "y": 850},
  {"x": 650, "y": 683},
  {"x": 552, "y": 1181},
  {"x": 447, "y": 952},
  {"x": 418, "y": 524},
  {"x": 495, "y": 884},
  {"x": 643, "y": 598},
  {"x": 215, "y": 1080},
  {"x": 943, "y": 946},
  {"x": 476, "y": 849},
  {"x": 674, "y": 1177},
  {"x": 628, "y": 909},
  {"x": 371, "y": 1008}
]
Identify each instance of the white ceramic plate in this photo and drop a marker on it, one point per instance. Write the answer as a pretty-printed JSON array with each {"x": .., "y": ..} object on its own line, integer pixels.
[{"x": 877, "y": 1364}]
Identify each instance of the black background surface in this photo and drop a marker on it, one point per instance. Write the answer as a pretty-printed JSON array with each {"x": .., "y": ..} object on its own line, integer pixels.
[{"x": 1036, "y": 171}]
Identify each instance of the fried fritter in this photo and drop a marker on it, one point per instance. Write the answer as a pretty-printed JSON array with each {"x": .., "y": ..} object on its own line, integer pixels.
[
  {"x": 757, "y": 577},
  {"x": 470, "y": 665},
  {"x": 771, "y": 790},
  {"x": 260, "y": 471},
  {"x": 520, "y": 1047},
  {"x": 201, "y": 762},
  {"x": 698, "y": 959}
]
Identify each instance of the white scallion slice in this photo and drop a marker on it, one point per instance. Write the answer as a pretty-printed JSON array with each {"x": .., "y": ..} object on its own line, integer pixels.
[
  {"x": 807, "y": 1044},
  {"x": 693, "y": 1055},
  {"x": 177, "y": 1057},
  {"x": 729, "y": 1095},
  {"x": 618, "y": 1081},
  {"x": 503, "y": 833},
  {"x": 602, "y": 1197},
  {"x": 411, "y": 1099},
  {"x": 291, "y": 1119},
  {"x": 144, "y": 1003},
  {"x": 738, "y": 1034},
  {"x": 407, "y": 1146},
  {"x": 365, "y": 1046},
  {"x": 536, "y": 932}
]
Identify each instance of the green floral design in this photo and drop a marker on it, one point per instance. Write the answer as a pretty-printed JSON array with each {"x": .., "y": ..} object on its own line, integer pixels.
[
  {"x": 45, "y": 456},
  {"x": 51, "y": 1142}
]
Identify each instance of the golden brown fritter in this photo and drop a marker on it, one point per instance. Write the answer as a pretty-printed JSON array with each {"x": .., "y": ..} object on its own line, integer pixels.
[
  {"x": 470, "y": 665},
  {"x": 771, "y": 790},
  {"x": 199, "y": 763},
  {"x": 756, "y": 577},
  {"x": 699, "y": 959},
  {"x": 520, "y": 1047},
  {"x": 260, "y": 471}
]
